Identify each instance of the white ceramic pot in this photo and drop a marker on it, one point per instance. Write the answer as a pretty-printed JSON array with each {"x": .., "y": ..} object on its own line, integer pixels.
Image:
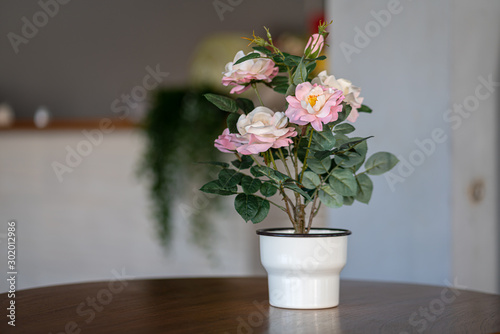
[{"x": 303, "y": 269}]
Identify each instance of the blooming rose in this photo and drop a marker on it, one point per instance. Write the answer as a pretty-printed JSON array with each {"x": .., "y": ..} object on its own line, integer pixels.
[
  {"x": 258, "y": 131},
  {"x": 314, "y": 46},
  {"x": 314, "y": 104},
  {"x": 350, "y": 91},
  {"x": 240, "y": 75},
  {"x": 264, "y": 129},
  {"x": 229, "y": 142}
]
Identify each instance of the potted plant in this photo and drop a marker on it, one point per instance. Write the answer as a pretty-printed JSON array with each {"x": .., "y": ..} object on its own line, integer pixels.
[{"x": 304, "y": 155}]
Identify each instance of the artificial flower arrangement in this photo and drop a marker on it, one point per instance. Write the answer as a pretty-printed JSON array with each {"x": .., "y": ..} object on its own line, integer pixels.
[{"x": 319, "y": 163}]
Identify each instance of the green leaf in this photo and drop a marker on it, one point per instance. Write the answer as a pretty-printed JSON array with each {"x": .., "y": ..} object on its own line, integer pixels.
[
  {"x": 329, "y": 197},
  {"x": 282, "y": 68},
  {"x": 250, "y": 185},
  {"x": 247, "y": 206},
  {"x": 215, "y": 187},
  {"x": 269, "y": 172},
  {"x": 231, "y": 121},
  {"x": 348, "y": 200},
  {"x": 229, "y": 178},
  {"x": 214, "y": 163},
  {"x": 324, "y": 140},
  {"x": 249, "y": 56},
  {"x": 293, "y": 186},
  {"x": 264, "y": 207},
  {"x": 300, "y": 74},
  {"x": 356, "y": 155},
  {"x": 278, "y": 58},
  {"x": 380, "y": 163},
  {"x": 282, "y": 89},
  {"x": 246, "y": 162},
  {"x": 292, "y": 61},
  {"x": 222, "y": 102},
  {"x": 245, "y": 104},
  {"x": 348, "y": 159},
  {"x": 268, "y": 189},
  {"x": 311, "y": 180},
  {"x": 341, "y": 139},
  {"x": 320, "y": 58},
  {"x": 279, "y": 80},
  {"x": 343, "y": 182},
  {"x": 344, "y": 128},
  {"x": 310, "y": 67},
  {"x": 320, "y": 155},
  {"x": 352, "y": 143},
  {"x": 346, "y": 110},
  {"x": 365, "y": 188},
  {"x": 263, "y": 49},
  {"x": 365, "y": 108},
  {"x": 291, "y": 90},
  {"x": 319, "y": 166}
]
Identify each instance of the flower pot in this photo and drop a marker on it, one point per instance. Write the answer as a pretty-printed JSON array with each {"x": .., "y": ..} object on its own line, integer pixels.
[{"x": 303, "y": 269}]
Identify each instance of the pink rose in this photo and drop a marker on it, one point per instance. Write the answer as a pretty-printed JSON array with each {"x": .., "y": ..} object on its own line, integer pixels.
[
  {"x": 259, "y": 131},
  {"x": 264, "y": 129},
  {"x": 314, "y": 104},
  {"x": 240, "y": 75},
  {"x": 229, "y": 142},
  {"x": 350, "y": 92},
  {"x": 314, "y": 46}
]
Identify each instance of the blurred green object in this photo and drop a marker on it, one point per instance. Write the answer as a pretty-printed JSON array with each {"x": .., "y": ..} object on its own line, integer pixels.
[{"x": 180, "y": 128}]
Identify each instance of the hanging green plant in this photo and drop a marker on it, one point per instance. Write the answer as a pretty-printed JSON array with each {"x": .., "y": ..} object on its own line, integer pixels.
[{"x": 179, "y": 129}]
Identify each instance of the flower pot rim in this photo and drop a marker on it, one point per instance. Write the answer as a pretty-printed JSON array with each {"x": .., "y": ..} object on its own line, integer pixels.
[{"x": 276, "y": 232}]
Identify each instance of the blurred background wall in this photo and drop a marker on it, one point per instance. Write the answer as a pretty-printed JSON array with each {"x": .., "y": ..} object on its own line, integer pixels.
[
  {"x": 430, "y": 70},
  {"x": 433, "y": 221}
]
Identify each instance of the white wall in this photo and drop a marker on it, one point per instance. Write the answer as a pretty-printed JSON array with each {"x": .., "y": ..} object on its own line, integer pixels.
[
  {"x": 476, "y": 230},
  {"x": 97, "y": 219},
  {"x": 413, "y": 65}
]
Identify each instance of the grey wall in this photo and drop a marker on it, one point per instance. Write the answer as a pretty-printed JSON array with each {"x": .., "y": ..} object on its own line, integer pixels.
[
  {"x": 414, "y": 66},
  {"x": 404, "y": 234},
  {"x": 91, "y": 52}
]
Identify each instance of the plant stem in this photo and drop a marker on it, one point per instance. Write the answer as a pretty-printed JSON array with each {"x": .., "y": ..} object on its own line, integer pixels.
[
  {"x": 288, "y": 211},
  {"x": 255, "y": 160},
  {"x": 254, "y": 86},
  {"x": 279, "y": 206},
  {"x": 312, "y": 214},
  {"x": 282, "y": 157},
  {"x": 304, "y": 166},
  {"x": 272, "y": 159}
]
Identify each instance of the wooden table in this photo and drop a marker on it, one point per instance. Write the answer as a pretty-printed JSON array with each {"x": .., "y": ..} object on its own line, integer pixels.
[{"x": 239, "y": 305}]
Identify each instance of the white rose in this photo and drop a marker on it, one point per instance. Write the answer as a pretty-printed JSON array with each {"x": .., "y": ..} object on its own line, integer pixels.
[
  {"x": 263, "y": 122},
  {"x": 264, "y": 129}
]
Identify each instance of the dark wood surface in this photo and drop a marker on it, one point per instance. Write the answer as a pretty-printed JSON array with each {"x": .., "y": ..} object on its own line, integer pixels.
[{"x": 239, "y": 305}]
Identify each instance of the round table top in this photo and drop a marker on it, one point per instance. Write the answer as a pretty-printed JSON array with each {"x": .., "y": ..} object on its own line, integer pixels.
[{"x": 240, "y": 305}]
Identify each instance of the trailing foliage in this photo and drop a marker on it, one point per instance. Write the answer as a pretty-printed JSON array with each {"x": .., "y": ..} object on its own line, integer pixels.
[{"x": 179, "y": 129}]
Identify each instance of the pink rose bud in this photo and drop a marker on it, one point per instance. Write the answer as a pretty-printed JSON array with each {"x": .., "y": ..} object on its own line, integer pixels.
[{"x": 314, "y": 46}]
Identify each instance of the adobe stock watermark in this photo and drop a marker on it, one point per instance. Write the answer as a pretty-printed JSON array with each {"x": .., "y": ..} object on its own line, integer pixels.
[
  {"x": 373, "y": 28},
  {"x": 30, "y": 27},
  {"x": 427, "y": 146},
  {"x": 92, "y": 305},
  {"x": 223, "y": 6},
  {"x": 425, "y": 315},
  {"x": 122, "y": 107}
]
